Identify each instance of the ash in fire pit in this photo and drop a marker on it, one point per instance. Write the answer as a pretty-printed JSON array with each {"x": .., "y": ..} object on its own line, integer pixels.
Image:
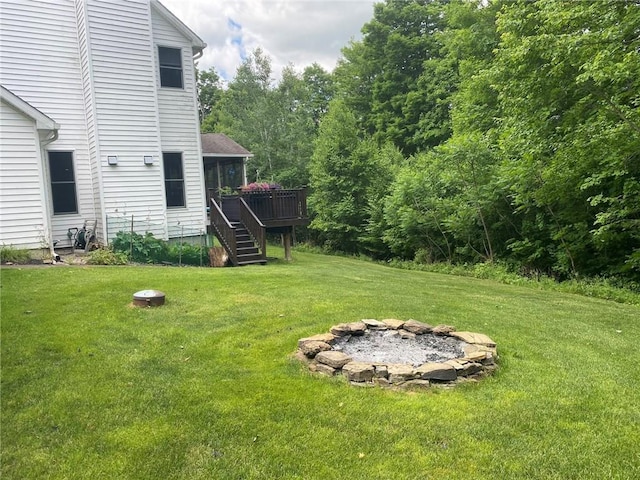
[
  {"x": 389, "y": 346},
  {"x": 396, "y": 353}
]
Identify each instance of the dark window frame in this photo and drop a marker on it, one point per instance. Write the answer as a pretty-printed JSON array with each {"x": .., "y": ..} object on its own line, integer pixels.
[
  {"x": 171, "y": 67},
  {"x": 62, "y": 180},
  {"x": 174, "y": 185}
]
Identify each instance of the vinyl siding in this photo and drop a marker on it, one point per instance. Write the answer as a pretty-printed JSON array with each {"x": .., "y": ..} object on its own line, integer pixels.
[
  {"x": 92, "y": 135},
  {"x": 179, "y": 129},
  {"x": 22, "y": 221},
  {"x": 40, "y": 63},
  {"x": 126, "y": 111}
]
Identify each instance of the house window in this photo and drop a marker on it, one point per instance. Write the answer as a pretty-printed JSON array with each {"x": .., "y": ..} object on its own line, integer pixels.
[
  {"x": 63, "y": 184},
  {"x": 173, "y": 179},
  {"x": 170, "y": 67}
]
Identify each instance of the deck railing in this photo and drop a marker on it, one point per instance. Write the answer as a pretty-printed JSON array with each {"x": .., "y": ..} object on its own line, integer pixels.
[
  {"x": 271, "y": 205},
  {"x": 226, "y": 233},
  {"x": 254, "y": 226}
]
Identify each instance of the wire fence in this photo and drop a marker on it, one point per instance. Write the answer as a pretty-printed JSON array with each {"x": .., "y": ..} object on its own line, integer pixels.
[{"x": 181, "y": 233}]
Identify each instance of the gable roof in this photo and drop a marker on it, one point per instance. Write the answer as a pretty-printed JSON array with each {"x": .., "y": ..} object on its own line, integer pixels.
[
  {"x": 42, "y": 121},
  {"x": 219, "y": 145},
  {"x": 197, "y": 43}
]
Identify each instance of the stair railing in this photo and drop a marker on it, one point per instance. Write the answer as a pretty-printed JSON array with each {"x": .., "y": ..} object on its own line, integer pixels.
[
  {"x": 225, "y": 232},
  {"x": 254, "y": 226}
]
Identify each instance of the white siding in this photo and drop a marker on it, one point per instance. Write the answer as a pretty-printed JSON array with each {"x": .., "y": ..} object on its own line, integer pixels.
[
  {"x": 40, "y": 63},
  {"x": 92, "y": 136},
  {"x": 22, "y": 221},
  {"x": 179, "y": 129},
  {"x": 92, "y": 66},
  {"x": 126, "y": 111}
]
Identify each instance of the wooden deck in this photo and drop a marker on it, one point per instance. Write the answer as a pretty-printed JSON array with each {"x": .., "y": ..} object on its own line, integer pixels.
[{"x": 255, "y": 213}]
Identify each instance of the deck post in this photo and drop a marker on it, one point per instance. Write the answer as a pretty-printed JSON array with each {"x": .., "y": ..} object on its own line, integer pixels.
[{"x": 286, "y": 242}]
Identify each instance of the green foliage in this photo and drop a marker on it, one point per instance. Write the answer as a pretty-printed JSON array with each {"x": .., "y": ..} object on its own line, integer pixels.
[
  {"x": 11, "y": 254},
  {"x": 396, "y": 80},
  {"x": 276, "y": 122},
  {"x": 346, "y": 172},
  {"x": 209, "y": 94},
  {"x": 148, "y": 249},
  {"x": 187, "y": 254},
  {"x": 140, "y": 248},
  {"x": 106, "y": 256}
]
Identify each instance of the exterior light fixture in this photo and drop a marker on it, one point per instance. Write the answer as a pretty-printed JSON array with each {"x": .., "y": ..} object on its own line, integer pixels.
[
  {"x": 148, "y": 160},
  {"x": 112, "y": 159}
]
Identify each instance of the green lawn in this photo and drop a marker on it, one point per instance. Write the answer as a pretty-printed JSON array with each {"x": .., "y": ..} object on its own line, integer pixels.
[{"x": 205, "y": 387}]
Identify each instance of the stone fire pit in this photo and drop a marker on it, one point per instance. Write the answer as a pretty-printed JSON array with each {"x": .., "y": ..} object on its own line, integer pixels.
[{"x": 396, "y": 353}]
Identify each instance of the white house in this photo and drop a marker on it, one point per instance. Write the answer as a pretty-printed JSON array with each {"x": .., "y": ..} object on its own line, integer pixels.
[{"x": 98, "y": 120}]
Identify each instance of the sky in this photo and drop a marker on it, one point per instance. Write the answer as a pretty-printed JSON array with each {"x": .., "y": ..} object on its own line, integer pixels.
[{"x": 297, "y": 32}]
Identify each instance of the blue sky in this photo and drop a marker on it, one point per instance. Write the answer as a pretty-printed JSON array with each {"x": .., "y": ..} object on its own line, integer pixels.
[{"x": 297, "y": 32}]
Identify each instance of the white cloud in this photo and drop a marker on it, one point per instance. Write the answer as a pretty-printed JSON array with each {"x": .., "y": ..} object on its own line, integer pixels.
[{"x": 298, "y": 32}]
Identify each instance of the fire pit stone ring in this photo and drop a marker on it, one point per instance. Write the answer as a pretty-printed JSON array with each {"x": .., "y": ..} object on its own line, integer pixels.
[{"x": 399, "y": 354}]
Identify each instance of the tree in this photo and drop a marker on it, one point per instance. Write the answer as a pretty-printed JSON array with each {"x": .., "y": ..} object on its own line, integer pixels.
[
  {"x": 567, "y": 78},
  {"x": 209, "y": 95},
  {"x": 392, "y": 78},
  {"x": 342, "y": 171}
]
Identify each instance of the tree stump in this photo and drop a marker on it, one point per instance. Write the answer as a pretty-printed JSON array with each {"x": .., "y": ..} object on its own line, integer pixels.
[{"x": 218, "y": 257}]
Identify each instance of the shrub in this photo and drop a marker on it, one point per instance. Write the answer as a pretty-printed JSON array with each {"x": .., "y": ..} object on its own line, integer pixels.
[
  {"x": 187, "y": 254},
  {"x": 140, "y": 248},
  {"x": 106, "y": 256},
  {"x": 14, "y": 255}
]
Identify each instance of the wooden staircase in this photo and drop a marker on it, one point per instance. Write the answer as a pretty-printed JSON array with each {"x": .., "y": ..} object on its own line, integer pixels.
[
  {"x": 239, "y": 231},
  {"x": 247, "y": 251}
]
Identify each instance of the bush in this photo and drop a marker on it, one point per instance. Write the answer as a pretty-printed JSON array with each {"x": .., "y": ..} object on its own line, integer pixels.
[
  {"x": 14, "y": 255},
  {"x": 106, "y": 256},
  {"x": 188, "y": 254},
  {"x": 140, "y": 248}
]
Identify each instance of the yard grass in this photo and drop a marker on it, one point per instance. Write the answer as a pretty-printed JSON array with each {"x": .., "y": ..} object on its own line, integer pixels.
[{"x": 205, "y": 387}]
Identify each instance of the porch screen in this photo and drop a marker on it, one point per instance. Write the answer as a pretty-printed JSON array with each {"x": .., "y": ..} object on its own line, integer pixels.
[
  {"x": 63, "y": 183},
  {"x": 173, "y": 179}
]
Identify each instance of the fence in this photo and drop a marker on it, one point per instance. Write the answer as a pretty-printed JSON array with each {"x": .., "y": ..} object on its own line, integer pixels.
[{"x": 193, "y": 233}]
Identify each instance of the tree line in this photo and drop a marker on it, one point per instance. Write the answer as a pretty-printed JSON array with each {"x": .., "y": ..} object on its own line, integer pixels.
[{"x": 460, "y": 131}]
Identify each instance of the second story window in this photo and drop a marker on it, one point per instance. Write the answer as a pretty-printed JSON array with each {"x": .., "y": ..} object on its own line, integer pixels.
[{"x": 170, "y": 67}]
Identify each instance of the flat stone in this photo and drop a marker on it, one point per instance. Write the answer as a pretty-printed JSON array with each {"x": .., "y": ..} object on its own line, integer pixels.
[
  {"x": 475, "y": 338},
  {"x": 470, "y": 369},
  {"x": 312, "y": 347},
  {"x": 458, "y": 364},
  {"x": 381, "y": 371},
  {"x": 357, "y": 328},
  {"x": 340, "y": 330},
  {"x": 416, "y": 327},
  {"x": 375, "y": 324},
  {"x": 353, "y": 328},
  {"x": 393, "y": 323},
  {"x": 400, "y": 373},
  {"x": 443, "y": 329},
  {"x": 321, "y": 337},
  {"x": 473, "y": 353},
  {"x": 415, "y": 384},
  {"x": 358, "y": 371},
  {"x": 333, "y": 359},
  {"x": 437, "y": 371},
  {"x": 406, "y": 335},
  {"x": 325, "y": 369}
]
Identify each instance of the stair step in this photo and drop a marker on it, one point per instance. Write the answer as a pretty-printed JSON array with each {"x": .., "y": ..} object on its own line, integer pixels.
[
  {"x": 250, "y": 257},
  {"x": 253, "y": 262}
]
